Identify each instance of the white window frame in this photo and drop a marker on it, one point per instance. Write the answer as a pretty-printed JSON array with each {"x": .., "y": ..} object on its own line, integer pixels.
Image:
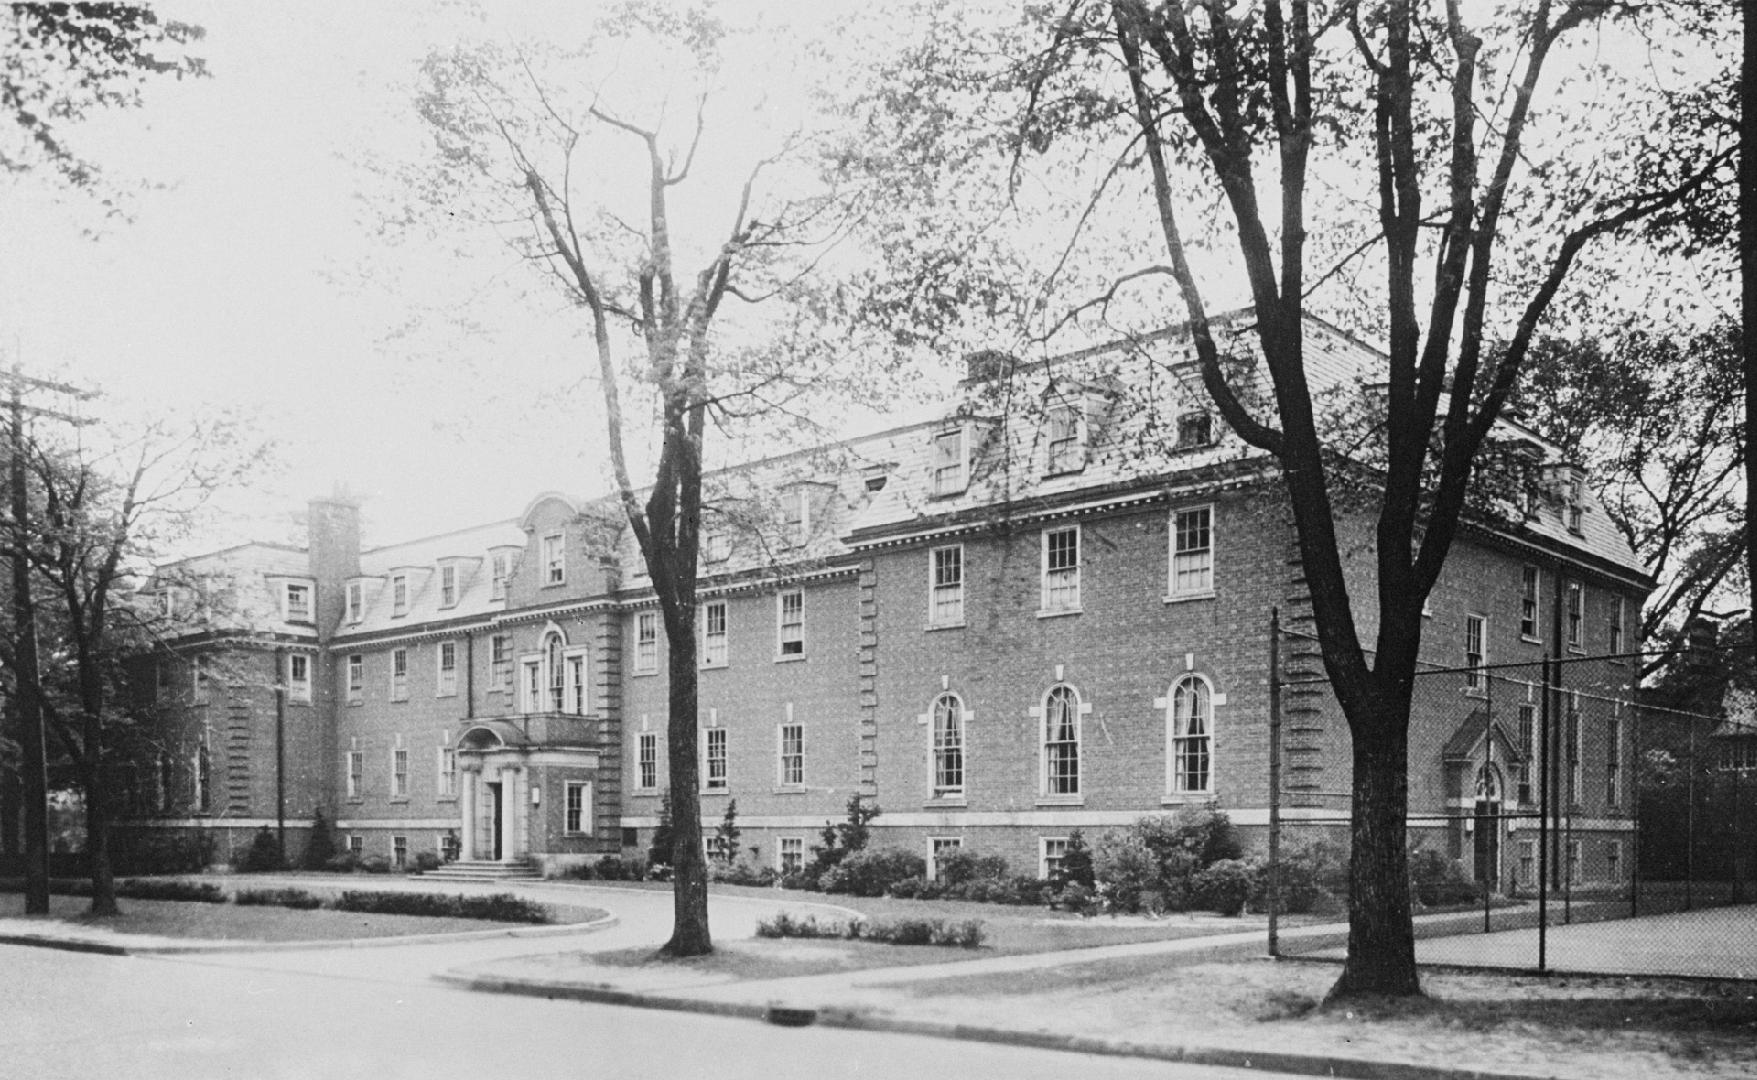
[
  {"x": 646, "y": 643},
  {"x": 1046, "y": 862},
  {"x": 356, "y": 601},
  {"x": 445, "y": 679},
  {"x": 576, "y": 682},
  {"x": 1613, "y": 861},
  {"x": 790, "y": 766},
  {"x": 1180, "y": 743},
  {"x": 716, "y": 764},
  {"x": 399, "y": 850},
  {"x": 1206, "y": 417},
  {"x": 302, "y": 612},
  {"x": 1476, "y": 634},
  {"x": 554, "y": 551},
  {"x": 356, "y": 776},
  {"x": 795, "y": 515},
  {"x": 786, "y": 846},
  {"x": 203, "y": 775},
  {"x": 716, "y": 646},
  {"x": 554, "y": 664},
  {"x": 1613, "y": 757},
  {"x": 531, "y": 688},
  {"x": 1066, "y": 597},
  {"x": 399, "y": 674},
  {"x": 945, "y": 591},
  {"x": 789, "y": 647},
  {"x": 936, "y": 845},
  {"x": 647, "y": 761},
  {"x": 1530, "y": 603},
  {"x": 399, "y": 772},
  {"x": 1575, "y": 863},
  {"x": 500, "y": 662},
  {"x": 499, "y": 570},
  {"x": 576, "y": 808},
  {"x": 1575, "y": 731},
  {"x": 356, "y": 845},
  {"x": 1064, "y": 440},
  {"x": 298, "y": 687},
  {"x": 948, "y": 748},
  {"x": 448, "y": 585},
  {"x": 1183, "y": 583},
  {"x": 1617, "y": 631},
  {"x": 1574, "y": 594},
  {"x": 716, "y": 547},
  {"x": 1525, "y": 720},
  {"x": 399, "y": 595},
  {"x": 949, "y": 475},
  {"x": 1045, "y": 782},
  {"x": 446, "y": 780}
]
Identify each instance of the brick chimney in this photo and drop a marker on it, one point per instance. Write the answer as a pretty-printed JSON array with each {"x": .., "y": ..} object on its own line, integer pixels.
[{"x": 332, "y": 528}]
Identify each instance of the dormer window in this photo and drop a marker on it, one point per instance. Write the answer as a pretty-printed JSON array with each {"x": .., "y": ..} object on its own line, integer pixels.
[
  {"x": 951, "y": 462},
  {"x": 796, "y": 515},
  {"x": 448, "y": 586},
  {"x": 399, "y": 594},
  {"x": 1064, "y": 441},
  {"x": 298, "y": 602},
  {"x": 1195, "y": 430},
  {"x": 716, "y": 547},
  {"x": 554, "y": 560},
  {"x": 356, "y": 601},
  {"x": 500, "y": 568},
  {"x": 1574, "y": 493}
]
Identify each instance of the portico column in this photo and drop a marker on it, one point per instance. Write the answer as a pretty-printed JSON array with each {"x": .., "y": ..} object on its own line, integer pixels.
[
  {"x": 512, "y": 798},
  {"x": 467, "y": 807}
]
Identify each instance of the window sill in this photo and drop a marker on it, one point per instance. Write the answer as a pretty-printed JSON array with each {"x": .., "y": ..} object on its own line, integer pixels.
[
  {"x": 789, "y": 789},
  {"x": 1530, "y": 639},
  {"x": 790, "y": 658},
  {"x": 399, "y": 701},
  {"x": 655, "y": 671},
  {"x": 399, "y": 799},
  {"x": 1061, "y": 800},
  {"x": 305, "y": 701},
  {"x": 1059, "y": 612},
  {"x": 356, "y": 799},
  {"x": 1187, "y": 798},
  {"x": 445, "y": 798},
  {"x": 1474, "y": 692},
  {"x": 715, "y": 667},
  {"x": 716, "y": 791},
  {"x": 931, "y": 627},
  {"x": 950, "y": 802},
  {"x": 355, "y": 703},
  {"x": 1179, "y": 598},
  {"x": 446, "y": 694},
  {"x": 646, "y": 793}
]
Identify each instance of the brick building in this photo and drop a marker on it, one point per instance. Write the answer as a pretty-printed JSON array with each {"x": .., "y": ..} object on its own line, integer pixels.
[{"x": 1046, "y": 609}]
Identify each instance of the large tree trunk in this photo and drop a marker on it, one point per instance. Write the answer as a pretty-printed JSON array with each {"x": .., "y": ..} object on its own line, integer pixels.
[
  {"x": 1381, "y": 938},
  {"x": 689, "y": 934},
  {"x": 97, "y": 839}
]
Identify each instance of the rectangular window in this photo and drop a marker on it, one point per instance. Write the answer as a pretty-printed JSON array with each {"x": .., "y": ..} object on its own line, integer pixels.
[
  {"x": 1527, "y": 749},
  {"x": 298, "y": 602},
  {"x": 554, "y": 560},
  {"x": 447, "y": 660},
  {"x": 1064, "y": 449},
  {"x": 716, "y": 547},
  {"x": 937, "y": 848},
  {"x": 1529, "y": 581},
  {"x": 1192, "y": 552},
  {"x": 399, "y": 773},
  {"x": 1061, "y": 569},
  {"x": 500, "y": 568},
  {"x": 1576, "y": 735},
  {"x": 714, "y": 759},
  {"x": 199, "y": 679},
  {"x": 792, "y": 764},
  {"x": 356, "y": 774},
  {"x": 1616, "y": 642},
  {"x": 399, "y": 851},
  {"x": 1613, "y": 756},
  {"x": 578, "y": 807},
  {"x": 448, "y": 586},
  {"x": 500, "y": 662},
  {"x": 356, "y": 601},
  {"x": 448, "y": 773},
  {"x": 796, "y": 515},
  {"x": 1576, "y": 593},
  {"x": 1613, "y": 860},
  {"x": 948, "y": 747},
  {"x": 945, "y": 600},
  {"x": 1528, "y": 864},
  {"x": 647, "y": 760},
  {"x": 1476, "y": 635},
  {"x": 531, "y": 684},
  {"x": 167, "y": 779},
  {"x": 356, "y": 845},
  {"x": 791, "y": 629},
  {"x": 576, "y": 684},
  {"x": 1576, "y": 872},
  {"x": 1061, "y": 742},
  {"x": 646, "y": 642},
  {"x": 399, "y": 594},
  {"x": 1053, "y": 850},
  {"x": 950, "y": 476},
  {"x": 714, "y": 651},
  {"x": 1194, "y": 430},
  {"x": 1576, "y": 504},
  {"x": 792, "y": 854},
  {"x": 203, "y": 776},
  {"x": 299, "y": 678},
  {"x": 399, "y": 675}
]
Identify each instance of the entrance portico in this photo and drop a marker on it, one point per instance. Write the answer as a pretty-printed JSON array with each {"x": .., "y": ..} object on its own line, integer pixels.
[{"x": 502, "y": 771}]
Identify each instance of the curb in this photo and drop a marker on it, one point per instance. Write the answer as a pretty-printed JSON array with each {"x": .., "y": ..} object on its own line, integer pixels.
[
  {"x": 192, "y": 948},
  {"x": 861, "y": 1020}
]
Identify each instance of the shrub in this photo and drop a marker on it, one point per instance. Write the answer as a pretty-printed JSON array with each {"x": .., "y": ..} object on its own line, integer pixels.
[
  {"x": 1078, "y": 898},
  {"x": 345, "y": 863},
  {"x": 784, "y": 925},
  {"x": 160, "y": 851},
  {"x": 1436, "y": 881},
  {"x": 742, "y": 873},
  {"x": 498, "y": 907},
  {"x": 914, "y": 888},
  {"x": 1314, "y": 871},
  {"x": 1223, "y": 887},
  {"x": 843, "y": 839},
  {"x": 264, "y": 855},
  {"x": 1076, "y": 864},
  {"x": 869, "y": 872},
  {"x": 968, "y": 934},
  {"x": 289, "y": 898},
  {"x": 199, "y": 892},
  {"x": 426, "y": 861},
  {"x": 612, "y": 868},
  {"x": 726, "y": 835},
  {"x": 1125, "y": 868},
  {"x": 961, "y": 865},
  {"x": 320, "y": 845},
  {"x": 799, "y": 879},
  {"x": 375, "y": 864}
]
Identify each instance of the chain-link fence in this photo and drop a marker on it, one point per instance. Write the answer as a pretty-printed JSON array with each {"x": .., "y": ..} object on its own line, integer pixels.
[{"x": 1544, "y": 796}]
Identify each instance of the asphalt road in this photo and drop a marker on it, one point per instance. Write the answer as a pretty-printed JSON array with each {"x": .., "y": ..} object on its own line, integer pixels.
[{"x": 65, "y": 1014}]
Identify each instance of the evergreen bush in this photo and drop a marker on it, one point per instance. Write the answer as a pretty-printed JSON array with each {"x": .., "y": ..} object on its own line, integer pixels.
[
  {"x": 264, "y": 856},
  {"x": 320, "y": 844}
]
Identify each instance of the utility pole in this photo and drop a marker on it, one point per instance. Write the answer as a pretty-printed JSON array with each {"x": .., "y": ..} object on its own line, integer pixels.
[{"x": 34, "y": 757}]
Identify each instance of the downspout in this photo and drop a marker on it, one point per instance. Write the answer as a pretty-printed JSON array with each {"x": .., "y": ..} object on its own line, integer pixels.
[
  {"x": 281, "y": 755},
  {"x": 469, "y": 675}
]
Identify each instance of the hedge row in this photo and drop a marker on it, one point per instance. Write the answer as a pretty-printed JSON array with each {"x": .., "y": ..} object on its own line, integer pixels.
[
  {"x": 498, "y": 907},
  {"x": 968, "y": 934}
]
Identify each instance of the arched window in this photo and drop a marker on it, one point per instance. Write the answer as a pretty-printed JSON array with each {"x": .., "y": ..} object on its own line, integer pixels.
[
  {"x": 1061, "y": 741},
  {"x": 948, "y": 746},
  {"x": 1192, "y": 737},
  {"x": 552, "y": 649}
]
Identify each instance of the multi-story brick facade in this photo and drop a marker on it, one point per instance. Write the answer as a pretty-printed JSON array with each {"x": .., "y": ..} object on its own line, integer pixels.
[{"x": 999, "y": 626}]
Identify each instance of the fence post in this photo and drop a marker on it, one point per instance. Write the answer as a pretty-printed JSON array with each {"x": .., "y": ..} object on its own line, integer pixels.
[
  {"x": 1690, "y": 820},
  {"x": 1571, "y": 759},
  {"x": 1274, "y": 781},
  {"x": 1637, "y": 719},
  {"x": 1491, "y": 875},
  {"x": 1543, "y": 818}
]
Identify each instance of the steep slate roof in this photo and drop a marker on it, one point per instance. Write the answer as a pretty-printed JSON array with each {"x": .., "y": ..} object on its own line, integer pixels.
[
  {"x": 421, "y": 557},
  {"x": 235, "y": 589}
]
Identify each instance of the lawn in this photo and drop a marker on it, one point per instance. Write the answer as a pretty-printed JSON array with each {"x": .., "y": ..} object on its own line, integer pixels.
[{"x": 230, "y": 922}]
